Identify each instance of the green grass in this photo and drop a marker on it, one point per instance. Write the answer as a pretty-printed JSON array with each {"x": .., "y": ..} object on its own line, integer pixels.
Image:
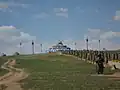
[
  {"x": 3, "y": 72},
  {"x": 2, "y": 61},
  {"x": 55, "y": 72}
]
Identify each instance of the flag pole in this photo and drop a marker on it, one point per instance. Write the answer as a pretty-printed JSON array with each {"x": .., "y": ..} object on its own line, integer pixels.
[
  {"x": 75, "y": 46},
  {"x": 99, "y": 45},
  {"x": 41, "y": 47},
  {"x": 87, "y": 44},
  {"x": 32, "y": 47},
  {"x": 20, "y": 46}
]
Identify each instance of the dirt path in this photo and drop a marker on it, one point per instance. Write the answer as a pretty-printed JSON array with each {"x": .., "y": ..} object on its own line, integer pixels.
[{"x": 10, "y": 80}]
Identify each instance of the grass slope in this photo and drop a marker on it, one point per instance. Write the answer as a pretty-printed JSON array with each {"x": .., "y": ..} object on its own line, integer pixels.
[
  {"x": 2, "y": 61},
  {"x": 55, "y": 72}
]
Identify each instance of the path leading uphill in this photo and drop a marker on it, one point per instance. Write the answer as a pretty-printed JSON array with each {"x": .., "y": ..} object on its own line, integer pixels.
[{"x": 10, "y": 80}]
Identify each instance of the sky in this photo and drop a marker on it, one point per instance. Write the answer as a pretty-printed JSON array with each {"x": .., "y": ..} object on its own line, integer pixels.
[{"x": 48, "y": 21}]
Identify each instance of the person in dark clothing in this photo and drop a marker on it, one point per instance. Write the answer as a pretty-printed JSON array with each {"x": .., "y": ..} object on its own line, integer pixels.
[{"x": 100, "y": 64}]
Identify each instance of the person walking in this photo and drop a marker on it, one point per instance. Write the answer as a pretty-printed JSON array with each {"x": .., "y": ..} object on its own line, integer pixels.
[{"x": 100, "y": 64}]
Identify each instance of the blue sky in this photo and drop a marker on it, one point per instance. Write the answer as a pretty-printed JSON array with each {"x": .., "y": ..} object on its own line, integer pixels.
[{"x": 51, "y": 20}]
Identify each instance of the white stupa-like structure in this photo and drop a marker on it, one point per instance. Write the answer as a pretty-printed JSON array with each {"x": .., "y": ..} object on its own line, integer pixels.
[{"x": 59, "y": 47}]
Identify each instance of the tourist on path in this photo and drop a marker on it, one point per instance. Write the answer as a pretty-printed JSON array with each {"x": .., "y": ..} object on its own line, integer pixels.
[{"x": 100, "y": 64}]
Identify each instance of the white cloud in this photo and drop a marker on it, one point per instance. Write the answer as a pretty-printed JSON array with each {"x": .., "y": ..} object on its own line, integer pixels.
[
  {"x": 12, "y": 4},
  {"x": 94, "y": 30},
  {"x": 7, "y": 28},
  {"x": 10, "y": 38},
  {"x": 109, "y": 35},
  {"x": 93, "y": 44},
  {"x": 25, "y": 37},
  {"x": 41, "y": 15},
  {"x": 61, "y": 12},
  {"x": 79, "y": 9},
  {"x": 6, "y": 10},
  {"x": 105, "y": 37},
  {"x": 6, "y": 6},
  {"x": 117, "y": 15},
  {"x": 94, "y": 35},
  {"x": 3, "y": 5},
  {"x": 102, "y": 34}
]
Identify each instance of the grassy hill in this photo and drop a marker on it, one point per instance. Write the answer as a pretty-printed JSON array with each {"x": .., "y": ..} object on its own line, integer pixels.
[{"x": 58, "y": 72}]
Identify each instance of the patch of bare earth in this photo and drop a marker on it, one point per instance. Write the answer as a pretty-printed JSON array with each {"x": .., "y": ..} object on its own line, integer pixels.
[
  {"x": 10, "y": 80},
  {"x": 115, "y": 76}
]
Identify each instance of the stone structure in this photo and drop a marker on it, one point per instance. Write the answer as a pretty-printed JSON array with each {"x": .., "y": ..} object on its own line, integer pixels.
[{"x": 60, "y": 46}]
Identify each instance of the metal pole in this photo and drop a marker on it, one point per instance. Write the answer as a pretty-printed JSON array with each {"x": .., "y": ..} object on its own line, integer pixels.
[
  {"x": 75, "y": 46},
  {"x": 20, "y": 46},
  {"x": 32, "y": 47},
  {"x": 87, "y": 43},
  {"x": 99, "y": 45},
  {"x": 41, "y": 47}
]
